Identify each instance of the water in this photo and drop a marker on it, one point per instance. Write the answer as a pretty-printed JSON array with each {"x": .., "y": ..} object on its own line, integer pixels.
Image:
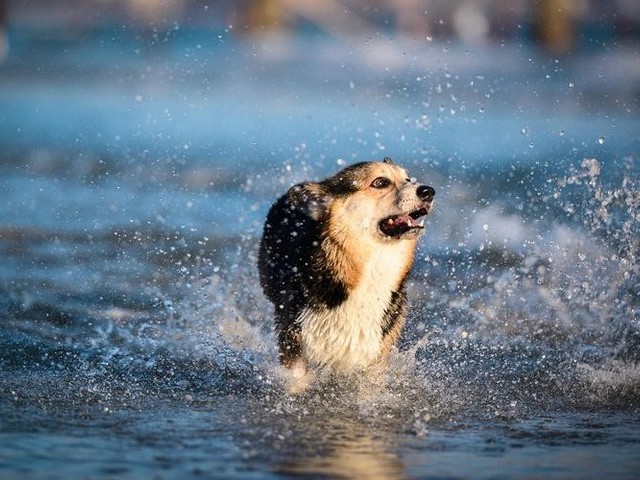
[{"x": 135, "y": 177}]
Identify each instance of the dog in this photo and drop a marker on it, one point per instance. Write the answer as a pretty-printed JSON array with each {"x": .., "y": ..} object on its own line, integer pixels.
[{"x": 333, "y": 259}]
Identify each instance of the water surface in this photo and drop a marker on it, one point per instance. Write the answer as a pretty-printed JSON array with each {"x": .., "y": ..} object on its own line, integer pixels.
[{"x": 135, "y": 341}]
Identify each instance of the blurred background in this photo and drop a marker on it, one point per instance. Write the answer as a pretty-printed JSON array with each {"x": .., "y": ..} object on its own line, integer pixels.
[
  {"x": 278, "y": 46},
  {"x": 559, "y": 26}
]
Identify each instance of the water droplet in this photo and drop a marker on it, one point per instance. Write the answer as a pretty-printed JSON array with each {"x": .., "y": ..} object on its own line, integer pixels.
[
  {"x": 423, "y": 122},
  {"x": 601, "y": 140}
]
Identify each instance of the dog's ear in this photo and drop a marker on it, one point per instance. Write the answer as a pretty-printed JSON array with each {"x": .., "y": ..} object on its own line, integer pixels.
[{"x": 310, "y": 198}]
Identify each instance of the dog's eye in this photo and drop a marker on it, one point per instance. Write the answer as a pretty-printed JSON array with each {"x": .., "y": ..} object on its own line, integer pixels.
[{"x": 381, "y": 182}]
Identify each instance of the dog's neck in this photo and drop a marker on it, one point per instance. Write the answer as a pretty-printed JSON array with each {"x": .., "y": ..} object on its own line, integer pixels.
[{"x": 358, "y": 260}]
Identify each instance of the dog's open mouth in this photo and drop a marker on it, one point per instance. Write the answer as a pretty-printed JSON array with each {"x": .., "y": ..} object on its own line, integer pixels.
[{"x": 399, "y": 225}]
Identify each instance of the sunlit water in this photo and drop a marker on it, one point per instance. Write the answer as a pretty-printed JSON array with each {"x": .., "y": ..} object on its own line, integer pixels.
[{"x": 135, "y": 341}]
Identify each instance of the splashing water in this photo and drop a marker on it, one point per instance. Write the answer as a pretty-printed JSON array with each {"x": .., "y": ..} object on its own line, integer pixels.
[
  {"x": 556, "y": 320},
  {"x": 492, "y": 331}
]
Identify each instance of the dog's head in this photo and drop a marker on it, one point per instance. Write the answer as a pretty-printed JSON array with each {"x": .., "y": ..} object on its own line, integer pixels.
[{"x": 374, "y": 199}]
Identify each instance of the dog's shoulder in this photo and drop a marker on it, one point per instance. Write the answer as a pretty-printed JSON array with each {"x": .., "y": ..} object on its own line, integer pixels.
[
  {"x": 293, "y": 271},
  {"x": 289, "y": 232}
]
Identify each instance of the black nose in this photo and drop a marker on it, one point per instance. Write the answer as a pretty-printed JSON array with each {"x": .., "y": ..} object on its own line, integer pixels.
[{"x": 425, "y": 193}]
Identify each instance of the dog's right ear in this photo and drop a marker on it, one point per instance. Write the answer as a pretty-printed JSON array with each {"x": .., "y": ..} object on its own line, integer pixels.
[{"x": 310, "y": 198}]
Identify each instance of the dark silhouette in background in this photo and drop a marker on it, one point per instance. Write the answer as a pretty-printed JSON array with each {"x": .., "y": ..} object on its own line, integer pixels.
[{"x": 4, "y": 41}]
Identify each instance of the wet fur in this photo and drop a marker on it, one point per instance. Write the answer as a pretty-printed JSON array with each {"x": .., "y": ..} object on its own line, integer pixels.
[{"x": 338, "y": 284}]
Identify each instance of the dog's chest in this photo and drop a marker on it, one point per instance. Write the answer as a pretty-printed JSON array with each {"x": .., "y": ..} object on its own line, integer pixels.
[{"x": 349, "y": 337}]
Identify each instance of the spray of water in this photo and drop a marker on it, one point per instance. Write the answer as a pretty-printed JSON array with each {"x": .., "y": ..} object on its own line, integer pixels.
[{"x": 493, "y": 330}]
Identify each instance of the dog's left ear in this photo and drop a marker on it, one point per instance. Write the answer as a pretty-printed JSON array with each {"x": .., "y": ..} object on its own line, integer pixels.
[{"x": 310, "y": 198}]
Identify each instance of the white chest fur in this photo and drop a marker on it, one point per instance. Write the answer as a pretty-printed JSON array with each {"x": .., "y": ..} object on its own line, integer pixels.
[{"x": 349, "y": 337}]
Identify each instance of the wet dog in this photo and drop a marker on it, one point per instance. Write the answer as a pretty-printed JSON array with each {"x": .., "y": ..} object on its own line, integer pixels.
[{"x": 333, "y": 260}]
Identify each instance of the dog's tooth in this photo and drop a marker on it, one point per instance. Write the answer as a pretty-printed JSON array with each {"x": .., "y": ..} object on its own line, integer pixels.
[
  {"x": 422, "y": 222},
  {"x": 390, "y": 221}
]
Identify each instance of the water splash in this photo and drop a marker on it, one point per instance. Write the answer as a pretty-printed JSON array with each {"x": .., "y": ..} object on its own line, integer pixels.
[
  {"x": 520, "y": 316},
  {"x": 548, "y": 318}
]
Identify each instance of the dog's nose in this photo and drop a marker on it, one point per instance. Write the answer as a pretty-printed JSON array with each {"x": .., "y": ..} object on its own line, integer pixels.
[{"x": 425, "y": 193}]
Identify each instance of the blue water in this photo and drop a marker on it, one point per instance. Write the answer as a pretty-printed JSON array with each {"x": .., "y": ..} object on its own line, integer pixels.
[{"x": 135, "y": 176}]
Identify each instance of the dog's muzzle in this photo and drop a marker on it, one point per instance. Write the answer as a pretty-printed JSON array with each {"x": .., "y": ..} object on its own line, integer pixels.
[{"x": 410, "y": 223}]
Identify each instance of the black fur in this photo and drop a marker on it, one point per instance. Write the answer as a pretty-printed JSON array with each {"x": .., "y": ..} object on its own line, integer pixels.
[
  {"x": 396, "y": 310},
  {"x": 293, "y": 273}
]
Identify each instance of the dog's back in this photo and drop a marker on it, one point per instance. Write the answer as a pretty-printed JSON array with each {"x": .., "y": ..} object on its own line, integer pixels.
[{"x": 286, "y": 271}]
